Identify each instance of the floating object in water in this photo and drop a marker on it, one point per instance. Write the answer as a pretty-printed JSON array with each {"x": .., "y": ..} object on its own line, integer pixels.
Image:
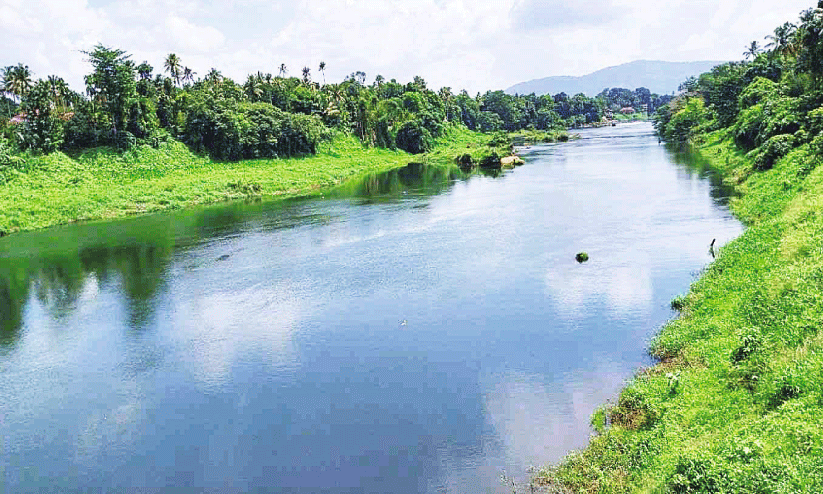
[
  {"x": 711, "y": 248},
  {"x": 223, "y": 257},
  {"x": 404, "y": 323},
  {"x": 581, "y": 257}
]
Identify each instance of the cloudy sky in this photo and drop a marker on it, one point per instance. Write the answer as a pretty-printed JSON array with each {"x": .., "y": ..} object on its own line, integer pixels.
[{"x": 474, "y": 45}]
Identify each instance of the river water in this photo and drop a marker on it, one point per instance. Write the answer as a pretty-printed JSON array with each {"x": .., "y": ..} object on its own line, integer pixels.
[{"x": 416, "y": 331}]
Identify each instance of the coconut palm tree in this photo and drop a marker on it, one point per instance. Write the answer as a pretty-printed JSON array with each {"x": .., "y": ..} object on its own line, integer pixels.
[
  {"x": 59, "y": 91},
  {"x": 173, "y": 67},
  {"x": 752, "y": 51},
  {"x": 188, "y": 75},
  {"x": 306, "y": 75},
  {"x": 253, "y": 88},
  {"x": 283, "y": 70},
  {"x": 781, "y": 42},
  {"x": 144, "y": 71},
  {"x": 17, "y": 81},
  {"x": 214, "y": 77},
  {"x": 323, "y": 71}
]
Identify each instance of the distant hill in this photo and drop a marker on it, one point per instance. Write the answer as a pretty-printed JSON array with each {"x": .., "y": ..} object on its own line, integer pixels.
[{"x": 657, "y": 77}]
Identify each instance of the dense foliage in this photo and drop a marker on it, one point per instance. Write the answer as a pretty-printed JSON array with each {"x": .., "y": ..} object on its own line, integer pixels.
[
  {"x": 268, "y": 116},
  {"x": 734, "y": 403},
  {"x": 768, "y": 103}
]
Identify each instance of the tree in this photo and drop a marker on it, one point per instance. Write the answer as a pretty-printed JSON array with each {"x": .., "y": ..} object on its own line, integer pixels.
[
  {"x": 144, "y": 70},
  {"x": 173, "y": 67},
  {"x": 323, "y": 71},
  {"x": 781, "y": 42},
  {"x": 214, "y": 77},
  {"x": 42, "y": 131},
  {"x": 810, "y": 41},
  {"x": 188, "y": 75},
  {"x": 59, "y": 92},
  {"x": 752, "y": 51},
  {"x": 17, "y": 80},
  {"x": 112, "y": 83},
  {"x": 283, "y": 70},
  {"x": 306, "y": 75}
]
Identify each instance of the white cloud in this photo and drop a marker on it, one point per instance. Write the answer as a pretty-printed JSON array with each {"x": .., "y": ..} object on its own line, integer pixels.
[
  {"x": 191, "y": 37},
  {"x": 480, "y": 45}
]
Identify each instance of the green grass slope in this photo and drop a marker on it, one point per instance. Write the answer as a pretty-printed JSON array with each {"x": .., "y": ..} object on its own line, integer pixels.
[
  {"x": 103, "y": 183},
  {"x": 736, "y": 403}
]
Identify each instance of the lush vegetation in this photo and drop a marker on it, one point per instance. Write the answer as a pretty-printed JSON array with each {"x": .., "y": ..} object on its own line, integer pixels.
[
  {"x": 136, "y": 140},
  {"x": 735, "y": 403},
  {"x": 266, "y": 116}
]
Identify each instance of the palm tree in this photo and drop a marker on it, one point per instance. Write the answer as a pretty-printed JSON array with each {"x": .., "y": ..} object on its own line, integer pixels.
[
  {"x": 753, "y": 50},
  {"x": 144, "y": 70},
  {"x": 306, "y": 75},
  {"x": 214, "y": 77},
  {"x": 173, "y": 67},
  {"x": 253, "y": 88},
  {"x": 283, "y": 70},
  {"x": 188, "y": 75},
  {"x": 781, "y": 42},
  {"x": 59, "y": 92},
  {"x": 323, "y": 71},
  {"x": 17, "y": 80}
]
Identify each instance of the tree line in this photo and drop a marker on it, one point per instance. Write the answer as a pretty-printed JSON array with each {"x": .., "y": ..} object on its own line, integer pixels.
[
  {"x": 771, "y": 102},
  {"x": 266, "y": 115}
]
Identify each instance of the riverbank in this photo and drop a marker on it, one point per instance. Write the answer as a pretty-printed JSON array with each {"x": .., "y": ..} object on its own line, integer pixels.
[
  {"x": 102, "y": 183},
  {"x": 734, "y": 404}
]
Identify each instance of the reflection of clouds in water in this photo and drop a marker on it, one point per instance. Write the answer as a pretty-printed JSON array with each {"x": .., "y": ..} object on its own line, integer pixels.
[
  {"x": 218, "y": 328},
  {"x": 538, "y": 422},
  {"x": 625, "y": 283},
  {"x": 106, "y": 429}
]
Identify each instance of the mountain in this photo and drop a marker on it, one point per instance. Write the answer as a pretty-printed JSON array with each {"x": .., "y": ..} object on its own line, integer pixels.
[{"x": 657, "y": 77}]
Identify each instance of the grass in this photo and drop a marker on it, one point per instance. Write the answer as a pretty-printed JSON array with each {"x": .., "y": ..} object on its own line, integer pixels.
[
  {"x": 735, "y": 403},
  {"x": 102, "y": 183}
]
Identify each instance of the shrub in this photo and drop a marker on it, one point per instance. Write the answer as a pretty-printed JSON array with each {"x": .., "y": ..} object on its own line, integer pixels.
[
  {"x": 414, "y": 138},
  {"x": 231, "y": 131},
  {"x": 774, "y": 149}
]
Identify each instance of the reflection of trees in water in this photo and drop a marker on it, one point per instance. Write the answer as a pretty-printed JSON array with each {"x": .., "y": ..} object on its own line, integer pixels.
[
  {"x": 698, "y": 166},
  {"x": 14, "y": 291},
  {"x": 415, "y": 177},
  {"x": 59, "y": 280}
]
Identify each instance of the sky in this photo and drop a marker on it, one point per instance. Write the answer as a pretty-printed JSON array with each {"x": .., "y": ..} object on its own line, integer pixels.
[{"x": 476, "y": 45}]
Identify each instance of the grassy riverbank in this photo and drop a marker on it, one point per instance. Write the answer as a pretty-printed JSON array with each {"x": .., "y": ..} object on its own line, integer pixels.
[
  {"x": 103, "y": 183},
  {"x": 735, "y": 403}
]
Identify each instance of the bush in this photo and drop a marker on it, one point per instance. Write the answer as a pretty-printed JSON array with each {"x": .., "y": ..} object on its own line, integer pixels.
[
  {"x": 231, "y": 131},
  {"x": 414, "y": 138},
  {"x": 774, "y": 149},
  {"x": 760, "y": 122},
  {"x": 86, "y": 129}
]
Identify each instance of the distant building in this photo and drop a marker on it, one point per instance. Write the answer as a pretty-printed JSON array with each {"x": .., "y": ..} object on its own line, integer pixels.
[{"x": 627, "y": 110}]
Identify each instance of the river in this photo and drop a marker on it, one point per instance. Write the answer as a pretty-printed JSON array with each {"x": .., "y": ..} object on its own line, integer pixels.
[{"x": 422, "y": 330}]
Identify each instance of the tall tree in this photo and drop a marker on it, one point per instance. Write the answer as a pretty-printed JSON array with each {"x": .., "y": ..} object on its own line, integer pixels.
[
  {"x": 112, "y": 83},
  {"x": 17, "y": 81},
  {"x": 752, "y": 51},
  {"x": 173, "y": 67},
  {"x": 283, "y": 70},
  {"x": 781, "y": 42},
  {"x": 323, "y": 71},
  {"x": 306, "y": 75},
  {"x": 144, "y": 70},
  {"x": 188, "y": 75}
]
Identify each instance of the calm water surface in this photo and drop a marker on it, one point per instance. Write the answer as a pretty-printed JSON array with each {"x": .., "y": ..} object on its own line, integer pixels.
[{"x": 417, "y": 331}]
